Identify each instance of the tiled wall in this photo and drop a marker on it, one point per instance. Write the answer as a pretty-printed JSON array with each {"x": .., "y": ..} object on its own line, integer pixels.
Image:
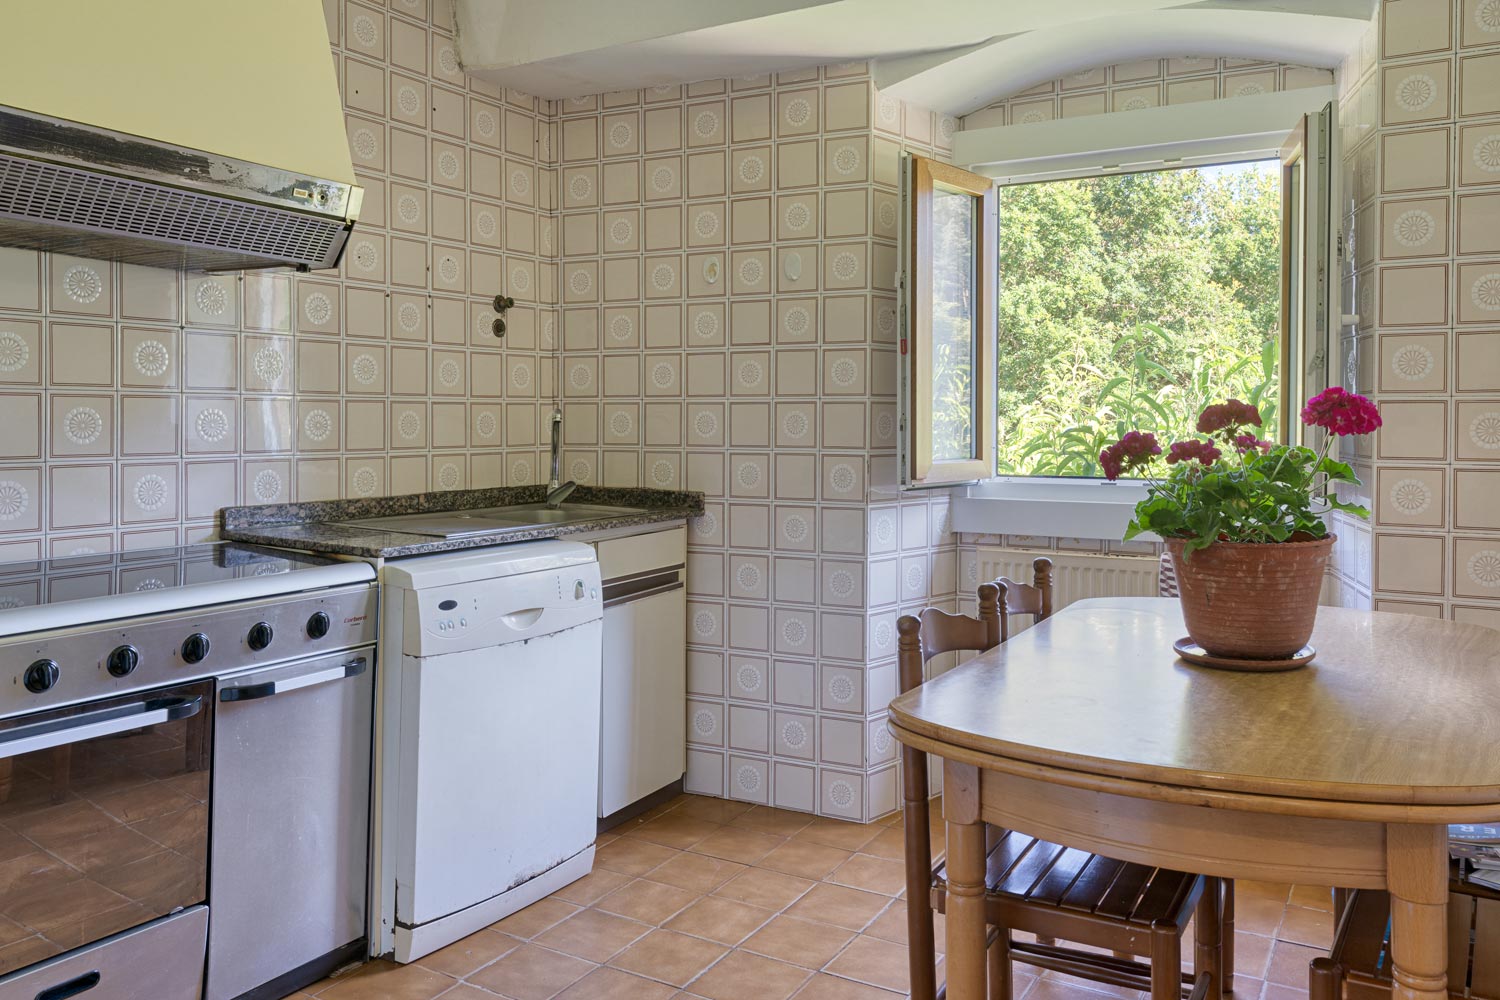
[
  {"x": 1145, "y": 83},
  {"x": 728, "y": 325},
  {"x": 135, "y": 402},
  {"x": 1426, "y": 225}
]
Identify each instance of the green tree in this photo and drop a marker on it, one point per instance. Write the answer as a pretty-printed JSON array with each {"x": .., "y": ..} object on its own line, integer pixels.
[{"x": 1131, "y": 301}]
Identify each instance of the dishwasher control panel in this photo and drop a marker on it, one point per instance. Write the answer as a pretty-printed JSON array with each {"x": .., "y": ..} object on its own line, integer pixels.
[{"x": 453, "y": 617}]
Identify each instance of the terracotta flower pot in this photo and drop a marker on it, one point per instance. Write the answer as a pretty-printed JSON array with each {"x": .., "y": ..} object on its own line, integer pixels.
[{"x": 1253, "y": 601}]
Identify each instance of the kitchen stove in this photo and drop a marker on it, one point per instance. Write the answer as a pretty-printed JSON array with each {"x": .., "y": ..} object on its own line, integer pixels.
[{"x": 115, "y": 672}]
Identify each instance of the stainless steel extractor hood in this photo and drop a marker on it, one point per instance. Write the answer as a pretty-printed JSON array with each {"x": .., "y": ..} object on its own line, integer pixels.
[{"x": 174, "y": 134}]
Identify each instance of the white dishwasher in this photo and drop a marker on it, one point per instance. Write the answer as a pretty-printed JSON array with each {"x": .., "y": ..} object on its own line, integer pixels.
[{"x": 489, "y": 786}]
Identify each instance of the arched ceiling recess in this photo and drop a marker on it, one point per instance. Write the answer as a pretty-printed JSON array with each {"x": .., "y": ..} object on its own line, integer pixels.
[{"x": 951, "y": 55}]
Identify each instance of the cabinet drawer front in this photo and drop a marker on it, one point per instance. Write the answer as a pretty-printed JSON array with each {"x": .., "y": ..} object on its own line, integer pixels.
[{"x": 635, "y": 554}]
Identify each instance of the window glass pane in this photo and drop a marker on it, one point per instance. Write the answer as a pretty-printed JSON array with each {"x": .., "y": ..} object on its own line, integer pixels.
[
  {"x": 953, "y": 303},
  {"x": 1131, "y": 302}
]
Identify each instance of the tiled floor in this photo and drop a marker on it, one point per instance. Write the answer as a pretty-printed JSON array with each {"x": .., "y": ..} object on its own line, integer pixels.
[{"x": 715, "y": 899}]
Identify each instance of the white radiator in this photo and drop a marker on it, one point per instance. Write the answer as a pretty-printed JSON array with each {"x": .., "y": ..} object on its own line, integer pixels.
[{"x": 1075, "y": 575}]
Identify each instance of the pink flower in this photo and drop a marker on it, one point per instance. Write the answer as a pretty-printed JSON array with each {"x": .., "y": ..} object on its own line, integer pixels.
[
  {"x": 1193, "y": 450},
  {"x": 1228, "y": 417},
  {"x": 1132, "y": 450},
  {"x": 1244, "y": 443},
  {"x": 1342, "y": 413}
]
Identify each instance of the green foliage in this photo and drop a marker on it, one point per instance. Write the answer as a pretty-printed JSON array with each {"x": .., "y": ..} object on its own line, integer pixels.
[
  {"x": 1130, "y": 302},
  {"x": 1278, "y": 496}
]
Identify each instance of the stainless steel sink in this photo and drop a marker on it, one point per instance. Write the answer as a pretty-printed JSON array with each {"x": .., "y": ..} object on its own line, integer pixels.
[{"x": 491, "y": 520}]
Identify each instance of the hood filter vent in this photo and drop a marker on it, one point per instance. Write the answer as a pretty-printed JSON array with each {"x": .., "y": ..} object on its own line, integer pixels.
[{"x": 51, "y": 206}]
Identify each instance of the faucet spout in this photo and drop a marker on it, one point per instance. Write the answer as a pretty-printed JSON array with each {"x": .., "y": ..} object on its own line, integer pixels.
[
  {"x": 552, "y": 482},
  {"x": 556, "y": 496}
]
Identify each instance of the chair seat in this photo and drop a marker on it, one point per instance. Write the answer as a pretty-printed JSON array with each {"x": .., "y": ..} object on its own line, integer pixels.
[{"x": 1026, "y": 870}]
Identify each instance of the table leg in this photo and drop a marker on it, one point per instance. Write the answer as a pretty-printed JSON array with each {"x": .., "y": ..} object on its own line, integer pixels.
[
  {"x": 1417, "y": 877},
  {"x": 965, "y": 919}
]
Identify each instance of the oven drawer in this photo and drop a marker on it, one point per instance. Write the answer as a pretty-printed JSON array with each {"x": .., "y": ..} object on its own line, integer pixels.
[{"x": 162, "y": 960}]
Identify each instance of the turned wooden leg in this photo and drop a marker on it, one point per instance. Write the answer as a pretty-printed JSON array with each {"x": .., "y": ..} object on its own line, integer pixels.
[
  {"x": 1166, "y": 963},
  {"x": 965, "y": 919},
  {"x": 1226, "y": 936},
  {"x": 1325, "y": 980},
  {"x": 1416, "y": 860},
  {"x": 999, "y": 971},
  {"x": 1207, "y": 948}
]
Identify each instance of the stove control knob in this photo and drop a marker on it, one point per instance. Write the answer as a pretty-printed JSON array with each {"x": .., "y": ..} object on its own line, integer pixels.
[
  {"x": 40, "y": 676},
  {"x": 194, "y": 648},
  {"x": 123, "y": 660},
  {"x": 317, "y": 625},
  {"x": 260, "y": 636}
]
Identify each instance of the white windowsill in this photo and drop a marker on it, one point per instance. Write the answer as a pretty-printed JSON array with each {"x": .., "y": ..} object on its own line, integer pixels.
[{"x": 1058, "y": 508}]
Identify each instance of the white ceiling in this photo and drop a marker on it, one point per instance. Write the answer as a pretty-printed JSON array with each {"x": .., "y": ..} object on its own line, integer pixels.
[{"x": 951, "y": 55}]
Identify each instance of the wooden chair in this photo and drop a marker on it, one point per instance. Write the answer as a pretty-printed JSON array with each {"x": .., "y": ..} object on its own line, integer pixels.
[{"x": 1043, "y": 888}]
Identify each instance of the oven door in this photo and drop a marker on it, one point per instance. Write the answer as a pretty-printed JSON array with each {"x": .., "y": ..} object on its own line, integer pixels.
[{"x": 103, "y": 820}]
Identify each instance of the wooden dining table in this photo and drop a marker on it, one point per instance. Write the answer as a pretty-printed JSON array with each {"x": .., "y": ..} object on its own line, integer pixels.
[{"x": 1088, "y": 731}]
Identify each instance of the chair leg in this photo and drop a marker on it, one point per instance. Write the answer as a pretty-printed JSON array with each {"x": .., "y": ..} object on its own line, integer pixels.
[
  {"x": 1166, "y": 962},
  {"x": 1325, "y": 979},
  {"x": 1340, "y": 903},
  {"x": 1226, "y": 936},
  {"x": 999, "y": 974},
  {"x": 1208, "y": 922}
]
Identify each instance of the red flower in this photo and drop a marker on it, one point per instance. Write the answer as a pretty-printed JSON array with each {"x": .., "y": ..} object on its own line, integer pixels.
[
  {"x": 1342, "y": 413},
  {"x": 1193, "y": 450},
  {"x": 1228, "y": 417},
  {"x": 1132, "y": 450},
  {"x": 1244, "y": 443}
]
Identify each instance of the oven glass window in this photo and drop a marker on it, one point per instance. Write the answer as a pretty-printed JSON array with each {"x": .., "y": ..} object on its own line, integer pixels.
[{"x": 103, "y": 819}]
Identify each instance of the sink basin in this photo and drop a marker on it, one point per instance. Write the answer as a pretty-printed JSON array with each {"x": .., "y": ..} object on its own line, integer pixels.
[{"x": 491, "y": 520}]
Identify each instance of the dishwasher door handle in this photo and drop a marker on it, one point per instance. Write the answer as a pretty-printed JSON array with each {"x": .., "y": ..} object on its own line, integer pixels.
[
  {"x": 93, "y": 725},
  {"x": 250, "y": 692}
]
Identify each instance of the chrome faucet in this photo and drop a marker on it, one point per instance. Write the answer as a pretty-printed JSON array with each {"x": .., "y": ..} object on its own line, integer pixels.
[
  {"x": 555, "y": 497},
  {"x": 556, "y": 450}
]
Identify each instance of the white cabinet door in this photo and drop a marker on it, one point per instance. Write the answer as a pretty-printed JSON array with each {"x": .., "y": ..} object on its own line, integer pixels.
[{"x": 643, "y": 734}]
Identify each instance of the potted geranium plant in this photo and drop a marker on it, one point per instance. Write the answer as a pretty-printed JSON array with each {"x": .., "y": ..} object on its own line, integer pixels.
[{"x": 1243, "y": 521}]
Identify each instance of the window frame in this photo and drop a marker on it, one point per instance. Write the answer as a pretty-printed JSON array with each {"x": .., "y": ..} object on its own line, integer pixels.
[{"x": 919, "y": 467}]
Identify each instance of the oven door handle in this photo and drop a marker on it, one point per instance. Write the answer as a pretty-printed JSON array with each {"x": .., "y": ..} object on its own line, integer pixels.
[
  {"x": 249, "y": 692},
  {"x": 93, "y": 725}
]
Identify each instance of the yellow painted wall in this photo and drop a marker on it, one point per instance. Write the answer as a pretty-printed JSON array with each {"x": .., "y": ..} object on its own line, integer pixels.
[{"x": 250, "y": 79}]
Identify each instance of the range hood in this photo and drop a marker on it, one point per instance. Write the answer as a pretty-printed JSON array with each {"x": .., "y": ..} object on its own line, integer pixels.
[{"x": 174, "y": 134}]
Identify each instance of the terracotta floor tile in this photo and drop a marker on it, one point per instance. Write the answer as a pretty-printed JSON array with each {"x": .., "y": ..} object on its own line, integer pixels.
[
  {"x": 714, "y": 810},
  {"x": 532, "y": 973},
  {"x": 1316, "y": 897},
  {"x": 808, "y": 860},
  {"x": 800, "y": 942},
  {"x": 836, "y": 833},
  {"x": 838, "y": 905},
  {"x": 1252, "y": 952},
  {"x": 1288, "y": 965},
  {"x": 1275, "y": 991},
  {"x": 479, "y": 949},
  {"x": 537, "y": 917},
  {"x": 889, "y": 844},
  {"x": 742, "y": 976},
  {"x": 1257, "y": 914},
  {"x": 717, "y": 919},
  {"x": 864, "y": 871},
  {"x": 670, "y": 957},
  {"x": 696, "y": 872},
  {"x": 387, "y": 981},
  {"x": 891, "y": 925},
  {"x": 1279, "y": 891},
  {"x": 631, "y": 856},
  {"x": 759, "y": 887},
  {"x": 1047, "y": 988},
  {"x": 731, "y": 844},
  {"x": 778, "y": 822},
  {"x": 592, "y": 935},
  {"x": 825, "y": 987},
  {"x": 1307, "y": 926},
  {"x": 610, "y": 984},
  {"x": 464, "y": 991},
  {"x": 647, "y": 901},
  {"x": 871, "y": 960},
  {"x": 592, "y": 887},
  {"x": 674, "y": 830}
]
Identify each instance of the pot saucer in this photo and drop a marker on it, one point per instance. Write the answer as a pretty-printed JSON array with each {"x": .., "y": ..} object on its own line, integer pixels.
[{"x": 1194, "y": 653}]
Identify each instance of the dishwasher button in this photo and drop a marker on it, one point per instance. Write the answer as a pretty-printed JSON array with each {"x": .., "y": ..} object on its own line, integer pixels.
[{"x": 579, "y": 590}]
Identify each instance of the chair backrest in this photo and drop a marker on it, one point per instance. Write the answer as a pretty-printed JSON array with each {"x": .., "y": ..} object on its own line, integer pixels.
[
  {"x": 1034, "y": 599},
  {"x": 932, "y": 632}
]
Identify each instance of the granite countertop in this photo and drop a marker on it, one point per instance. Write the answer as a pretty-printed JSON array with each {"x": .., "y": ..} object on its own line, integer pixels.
[{"x": 310, "y": 526}]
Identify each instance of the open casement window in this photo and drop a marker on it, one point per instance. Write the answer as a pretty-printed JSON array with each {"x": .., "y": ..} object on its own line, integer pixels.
[
  {"x": 947, "y": 289},
  {"x": 1307, "y": 257}
]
